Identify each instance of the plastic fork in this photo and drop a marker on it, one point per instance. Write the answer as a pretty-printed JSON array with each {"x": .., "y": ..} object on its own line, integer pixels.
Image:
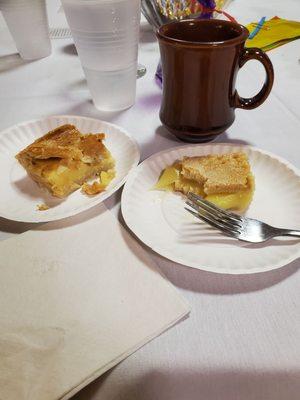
[{"x": 234, "y": 225}]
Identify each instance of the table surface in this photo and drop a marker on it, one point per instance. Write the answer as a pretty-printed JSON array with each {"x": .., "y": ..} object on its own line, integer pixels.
[{"x": 242, "y": 340}]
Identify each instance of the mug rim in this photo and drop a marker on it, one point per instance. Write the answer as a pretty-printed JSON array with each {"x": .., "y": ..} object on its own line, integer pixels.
[{"x": 238, "y": 39}]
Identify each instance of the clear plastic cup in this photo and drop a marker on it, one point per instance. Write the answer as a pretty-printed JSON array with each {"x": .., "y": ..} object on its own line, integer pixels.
[
  {"x": 28, "y": 24},
  {"x": 106, "y": 36}
]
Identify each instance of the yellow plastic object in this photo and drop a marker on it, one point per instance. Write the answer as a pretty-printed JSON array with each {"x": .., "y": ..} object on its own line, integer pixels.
[{"x": 274, "y": 33}]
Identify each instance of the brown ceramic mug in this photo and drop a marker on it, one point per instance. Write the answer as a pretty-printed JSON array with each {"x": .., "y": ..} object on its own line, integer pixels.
[{"x": 200, "y": 61}]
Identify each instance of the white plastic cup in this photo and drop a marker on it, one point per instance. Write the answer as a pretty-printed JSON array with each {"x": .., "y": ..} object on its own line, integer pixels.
[
  {"x": 106, "y": 34},
  {"x": 27, "y": 22}
]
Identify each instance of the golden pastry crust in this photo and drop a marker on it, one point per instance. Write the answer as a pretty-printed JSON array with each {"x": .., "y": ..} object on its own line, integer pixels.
[
  {"x": 63, "y": 159},
  {"x": 93, "y": 188},
  {"x": 226, "y": 173},
  {"x": 62, "y": 142}
]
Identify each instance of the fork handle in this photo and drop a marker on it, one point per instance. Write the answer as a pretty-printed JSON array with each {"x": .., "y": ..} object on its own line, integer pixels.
[{"x": 287, "y": 232}]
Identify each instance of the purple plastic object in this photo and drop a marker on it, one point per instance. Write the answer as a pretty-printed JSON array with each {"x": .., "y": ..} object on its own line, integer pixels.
[
  {"x": 158, "y": 75},
  {"x": 207, "y": 4}
]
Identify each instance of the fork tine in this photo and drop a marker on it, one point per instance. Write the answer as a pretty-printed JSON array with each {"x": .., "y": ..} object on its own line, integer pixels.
[
  {"x": 215, "y": 217},
  {"x": 200, "y": 201},
  {"x": 214, "y": 224},
  {"x": 216, "y": 211},
  {"x": 215, "y": 214}
]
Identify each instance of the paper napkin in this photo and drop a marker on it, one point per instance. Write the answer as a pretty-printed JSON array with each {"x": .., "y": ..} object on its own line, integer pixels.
[{"x": 76, "y": 297}]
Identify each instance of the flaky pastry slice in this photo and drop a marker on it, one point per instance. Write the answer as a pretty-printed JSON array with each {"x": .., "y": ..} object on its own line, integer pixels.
[{"x": 64, "y": 159}]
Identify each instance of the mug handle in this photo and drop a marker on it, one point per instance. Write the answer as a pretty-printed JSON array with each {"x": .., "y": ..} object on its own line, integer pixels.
[{"x": 253, "y": 53}]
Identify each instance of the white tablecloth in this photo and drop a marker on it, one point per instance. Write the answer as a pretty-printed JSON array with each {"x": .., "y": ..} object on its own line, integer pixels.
[{"x": 242, "y": 340}]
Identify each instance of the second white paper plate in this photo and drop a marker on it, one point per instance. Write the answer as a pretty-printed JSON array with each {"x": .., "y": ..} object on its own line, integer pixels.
[{"x": 160, "y": 221}]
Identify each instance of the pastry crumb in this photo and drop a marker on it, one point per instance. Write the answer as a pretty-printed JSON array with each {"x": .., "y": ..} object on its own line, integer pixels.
[
  {"x": 94, "y": 188},
  {"x": 42, "y": 207},
  {"x": 99, "y": 186}
]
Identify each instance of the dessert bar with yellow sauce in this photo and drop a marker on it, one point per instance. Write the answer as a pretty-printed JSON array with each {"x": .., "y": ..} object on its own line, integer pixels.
[
  {"x": 225, "y": 180},
  {"x": 64, "y": 159}
]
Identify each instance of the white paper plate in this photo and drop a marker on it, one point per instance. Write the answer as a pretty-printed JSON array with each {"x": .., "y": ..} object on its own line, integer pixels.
[
  {"x": 160, "y": 221},
  {"x": 20, "y": 195}
]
